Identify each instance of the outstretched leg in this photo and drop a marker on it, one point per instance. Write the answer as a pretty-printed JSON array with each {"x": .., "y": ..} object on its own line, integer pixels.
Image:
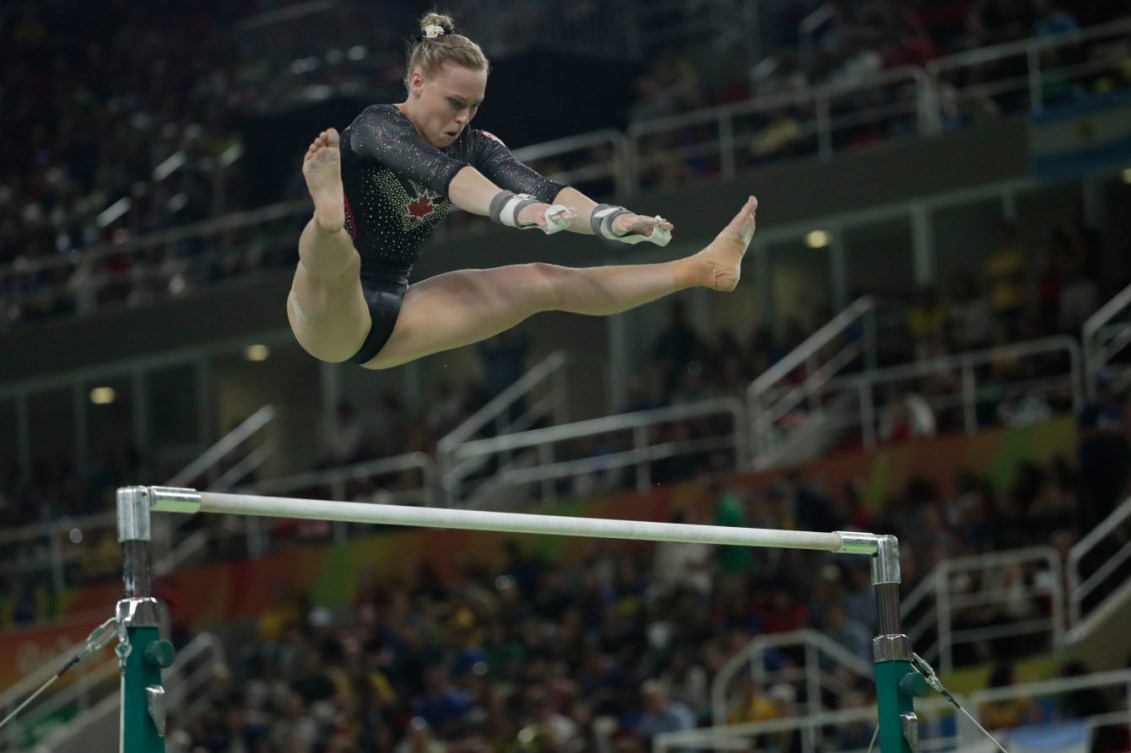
[
  {"x": 326, "y": 307},
  {"x": 459, "y": 308}
]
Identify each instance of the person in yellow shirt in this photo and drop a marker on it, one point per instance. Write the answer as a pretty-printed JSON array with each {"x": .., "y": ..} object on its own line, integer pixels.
[
  {"x": 1005, "y": 274},
  {"x": 928, "y": 319}
]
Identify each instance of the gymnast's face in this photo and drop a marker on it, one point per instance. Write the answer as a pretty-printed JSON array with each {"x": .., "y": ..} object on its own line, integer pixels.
[{"x": 441, "y": 105}]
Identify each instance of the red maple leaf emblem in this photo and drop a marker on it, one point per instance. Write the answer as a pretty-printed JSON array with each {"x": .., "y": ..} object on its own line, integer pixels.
[{"x": 420, "y": 207}]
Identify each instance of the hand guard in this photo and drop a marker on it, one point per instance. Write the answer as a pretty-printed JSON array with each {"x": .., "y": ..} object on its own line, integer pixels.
[
  {"x": 602, "y": 223},
  {"x": 507, "y": 205}
]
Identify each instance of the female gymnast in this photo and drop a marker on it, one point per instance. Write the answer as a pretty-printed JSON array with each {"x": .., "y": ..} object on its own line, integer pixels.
[{"x": 383, "y": 185}]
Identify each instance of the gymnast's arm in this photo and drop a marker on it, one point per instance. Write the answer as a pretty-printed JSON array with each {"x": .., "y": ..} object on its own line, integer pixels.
[
  {"x": 498, "y": 164},
  {"x": 382, "y": 135}
]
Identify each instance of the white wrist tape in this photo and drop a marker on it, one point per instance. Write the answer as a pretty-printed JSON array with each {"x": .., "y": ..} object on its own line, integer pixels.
[
  {"x": 506, "y": 206},
  {"x": 601, "y": 221}
]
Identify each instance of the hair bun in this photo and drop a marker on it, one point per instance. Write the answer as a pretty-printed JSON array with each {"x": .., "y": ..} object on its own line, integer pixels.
[{"x": 445, "y": 24}]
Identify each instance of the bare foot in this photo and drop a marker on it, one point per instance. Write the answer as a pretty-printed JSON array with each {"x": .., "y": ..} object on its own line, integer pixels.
[
  {"x": 322, "y": 168},
  {"x": 719, "y": 265}
]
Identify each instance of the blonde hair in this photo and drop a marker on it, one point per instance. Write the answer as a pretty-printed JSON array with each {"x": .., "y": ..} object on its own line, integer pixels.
[{"x": 429, "y": 53}]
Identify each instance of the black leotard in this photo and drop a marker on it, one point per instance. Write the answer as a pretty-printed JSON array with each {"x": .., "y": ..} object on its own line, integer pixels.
[{"x": 396, "y": 188}]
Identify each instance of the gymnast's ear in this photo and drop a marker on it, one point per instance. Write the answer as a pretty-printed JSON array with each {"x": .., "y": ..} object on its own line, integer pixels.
[{"x": 415, "y": 81}]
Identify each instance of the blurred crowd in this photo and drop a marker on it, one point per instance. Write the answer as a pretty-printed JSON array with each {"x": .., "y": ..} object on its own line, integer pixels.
[
  {"x": 1011, "y": 301},
  {"x": 605, "y": 654},
  {"x": 132, "y": 117}
]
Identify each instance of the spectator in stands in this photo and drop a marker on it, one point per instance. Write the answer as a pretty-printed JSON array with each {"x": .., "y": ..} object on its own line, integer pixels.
[
  {"x": 683, "y": 564},
  {"x": 419, "y": 739},
  {"x": 906, "y": 415},
  {"x": 675, "y": 348},
  {"x": 928, "y": 318},
  {"x": 344, "y": 438},
  {"x": 1104, "y": 452},
  {"x": 1005, "y": 714},
  {"x": 1051, "y": 20},
  {"x": 850, "y": 634},
  {"x": 1005, "y": 271},
  {"x": 780, "y": 138},
  {"x": 734, "y": 562},
  {"x": 661, "y": 713},
  {"x": 754, "y": 703},
  {"x": 687, "y": 681},
  {"x": 1080, "y": 297},
  {"x": 971, "y": 318}
]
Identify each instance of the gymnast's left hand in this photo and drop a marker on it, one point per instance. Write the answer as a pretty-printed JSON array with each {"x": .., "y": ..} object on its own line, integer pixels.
[{"x": 638, "y": 224}]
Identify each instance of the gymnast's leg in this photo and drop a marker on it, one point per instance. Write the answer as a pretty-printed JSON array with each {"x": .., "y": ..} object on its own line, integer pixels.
[
  {"x": 326, "y": 307},
  {"x": 459, "y": 308}
]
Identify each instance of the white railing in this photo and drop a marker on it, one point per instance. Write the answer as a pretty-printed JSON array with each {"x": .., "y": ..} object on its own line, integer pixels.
[
  {"x": 1105, "y": 337},
  {"x": 1039, "y": 58},
  {"x": 1116, "y": 681},
  {"x": 519, "y": 408},
  {"x": 70, "y": 543},
  {"x": 811, "y": 728},
  {"x": 824, "y": 354},
  {"x": 181, "y": 261},
  {"x": 359, "y": 482},
  {"x": 98, "y": 694},
  {"x": 631, "y": 446},
  {"x": 932, "y": 710},
  {"x": 540, "y": 459},
  {"x": 930, "y": 610},
  {"x": 549, "y": 372},
  {"x": 176, "y": 262},
  {"x": 613, "y": 170},
  {"x": 966, "y": 395},
  {"x": 1109, "y": 549},
  {"x": 819, "y": 651},
  {"x": 721, "y": 137}
]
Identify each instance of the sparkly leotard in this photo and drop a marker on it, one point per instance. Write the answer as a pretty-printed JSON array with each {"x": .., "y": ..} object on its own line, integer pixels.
[{"x": 396, "y": 188}]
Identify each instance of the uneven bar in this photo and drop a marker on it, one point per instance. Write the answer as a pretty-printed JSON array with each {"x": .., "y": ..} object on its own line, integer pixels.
[{"x": 182, "y": 500}]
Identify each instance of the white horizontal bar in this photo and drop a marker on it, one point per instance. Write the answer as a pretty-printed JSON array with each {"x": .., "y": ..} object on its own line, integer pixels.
[{"x": 482, "y": 520}]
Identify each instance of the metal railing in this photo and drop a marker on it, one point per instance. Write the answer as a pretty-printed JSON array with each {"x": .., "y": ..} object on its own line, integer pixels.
[
  {"x": 357, "y": 482},
  {"x": 819, "y": 652},
  {"x": 67, "y": 547},
  {"x": 940, "y": 727},
  {"x": 95, "y": 695},
  {"x": 811, "y": 728},
  {"x": 717, "y": 141},
  {"x": 970, "y": 390},
  {"x": 1054, "y": 690},
  {"x": 932, "y": 610},
  {"x": 1098, "y": 565},
  {"x": 1104, "y": 337},
  {"x": 824, "y": 354},
  {"x": 991, "y": 72},
  {"x": 713, "y": 141},
  {"x": 626, "y": 441},
  {"x": 518, "y": 408}
]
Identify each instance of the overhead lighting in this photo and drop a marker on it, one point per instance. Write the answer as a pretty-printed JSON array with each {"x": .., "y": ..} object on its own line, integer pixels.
[
  {"x": 817, "y": 239},
  {"x": 256, "y": 352},
  {"x": 103, "y": 395}
]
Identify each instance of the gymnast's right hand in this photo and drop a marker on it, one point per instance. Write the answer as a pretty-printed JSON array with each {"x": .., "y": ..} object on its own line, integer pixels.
[{"x": 551, "y": 218}]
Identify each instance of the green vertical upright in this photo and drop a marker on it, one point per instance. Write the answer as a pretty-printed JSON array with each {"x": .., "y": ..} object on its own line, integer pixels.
[
  {"x": 896, "y": 687},
  {"x": 142, "y": 654}
]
